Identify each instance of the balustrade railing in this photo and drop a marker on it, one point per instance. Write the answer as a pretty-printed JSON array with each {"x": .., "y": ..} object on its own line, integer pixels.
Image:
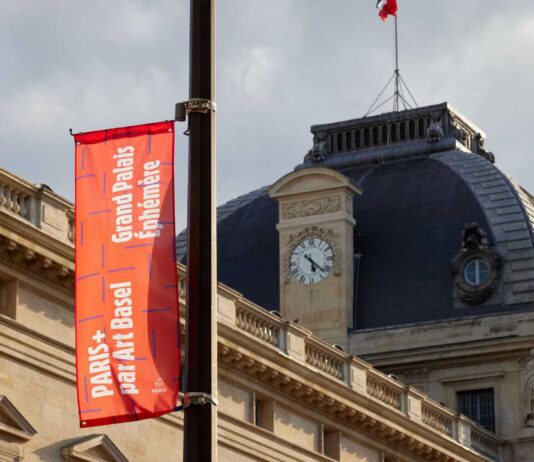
[
  {"x": 321, "y": 357},
  {"x": 272, "y": 330},
  {"x": 484, "y": 444},
  {"x": 382, "y": 389},
  {"x": 437, "y": 418},
  {"x": 14, "y": 200},
  {"x": 257, "y": 324},
  {"x": 35, "y": 204}
]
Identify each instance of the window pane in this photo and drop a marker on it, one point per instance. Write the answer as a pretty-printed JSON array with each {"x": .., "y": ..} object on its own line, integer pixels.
[
  {"x": 478, "y": 405},
  {"x": 476, "y": 272}
]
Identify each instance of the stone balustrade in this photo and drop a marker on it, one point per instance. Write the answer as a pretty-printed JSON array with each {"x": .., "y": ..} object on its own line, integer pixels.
[
  {"x": 235, "y": 312},
  {"x": 257, "y": 323},
  {"x": 384, "y": 389},
  {"x": 431, "y": 124},
  {"x": 438, "y": 418},
  {"x": 485, "y": 443},
  {"x": 14, "y": 199},
  {"x": 324, "y": 358},
  {"x": 37, "y": 205}
]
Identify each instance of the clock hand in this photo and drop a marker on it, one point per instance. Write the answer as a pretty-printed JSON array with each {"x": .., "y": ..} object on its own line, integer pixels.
[
  {"x": 314, "y": 263},
  {"x": 307, "y": 257}
]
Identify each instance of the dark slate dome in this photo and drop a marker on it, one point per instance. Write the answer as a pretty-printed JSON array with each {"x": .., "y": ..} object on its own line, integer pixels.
[{"x": 419, "y": 192}]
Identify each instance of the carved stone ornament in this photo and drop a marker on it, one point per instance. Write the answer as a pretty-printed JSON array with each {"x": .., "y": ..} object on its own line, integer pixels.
[
  {"x": 481, "y": 150},
  {"x": 306, "y": 393},
  {"x": 320, "y": 150},
  {"x": 434, "y": 131},
  {"x": 36, "y": 265},
  {"x": 528, "y": 391},
  {"x": 327, "y": 235},
  {"x": 457, "y": 129},
  {"x": 311, "y": 207},
  {"x": 417, "y": 378},
  {"x": 475, "y": 246}
]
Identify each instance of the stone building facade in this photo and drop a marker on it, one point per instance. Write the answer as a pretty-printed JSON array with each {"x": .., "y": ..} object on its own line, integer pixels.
[
  {"x": 284, "y": 394},
  {"x": 375, "y": 304},
  {"x": 400, "y": 241}
]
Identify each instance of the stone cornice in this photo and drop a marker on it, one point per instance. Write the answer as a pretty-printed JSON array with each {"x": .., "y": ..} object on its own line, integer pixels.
[
  {"x": 453, "y": 355},
  {"x": 362, "y": 413},
  {"x": 25, "y": 233},
  {"x": 36, "y": 265}
]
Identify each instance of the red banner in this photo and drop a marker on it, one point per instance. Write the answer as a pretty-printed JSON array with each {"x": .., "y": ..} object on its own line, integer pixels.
[{"x": 127, "y": 326}]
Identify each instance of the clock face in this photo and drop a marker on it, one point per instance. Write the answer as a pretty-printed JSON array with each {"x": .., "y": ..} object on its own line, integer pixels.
[{"x": 311, "y": 260}]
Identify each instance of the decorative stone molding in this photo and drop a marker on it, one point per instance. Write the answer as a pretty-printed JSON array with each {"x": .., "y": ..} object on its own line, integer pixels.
[
  {"x": 311, "y": 207},
  {"x": 14, "y": 199},
  {"x": 509, "y": 214},
  {"x": 475, "y": 246},
  {"x": 383, "y": 391},
  {"x": 255, "y": 324},
  {"x": 379, "y": 428},
  {"x": 484, "y": 445},
  {"x": 417, "y": 378},
  {"x": 15, "y": 430},
  {"x": 327, "y": 235},
  {"x": 35, "y": 265},
  {"x": 36, "y": 205},
  {"x": 481, "y": 150},
  {"x": 422, "y": 126},
  {"x": 434, "y": 131},
  {"x": 528, "y": 390},
  {"x": 324, "y": 361},
  {"x": 437, "y": 419},
  {"x": 321, "y": 148},
  {"x": 457, "y": 128},
  {"x": 12, "y": 423},
  {"x": 258, "y": 362},
  {"x": 459, "y": 361},
  {"x": 93, "y": 448}
]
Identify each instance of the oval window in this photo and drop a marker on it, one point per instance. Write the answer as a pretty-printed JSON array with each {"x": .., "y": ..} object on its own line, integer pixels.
[{"x": 476, "y": 272}]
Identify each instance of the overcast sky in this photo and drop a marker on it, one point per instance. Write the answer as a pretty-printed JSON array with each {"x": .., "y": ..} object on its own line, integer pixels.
[{"x": 282, "y": 65}]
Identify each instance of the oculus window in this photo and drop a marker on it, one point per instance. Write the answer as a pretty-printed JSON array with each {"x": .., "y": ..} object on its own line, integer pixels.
[
  {"x": 476, "y": 272},
  {"x": 475, "y": 267}
]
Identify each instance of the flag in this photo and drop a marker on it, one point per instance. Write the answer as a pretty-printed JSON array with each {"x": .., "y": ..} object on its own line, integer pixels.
[
  {"x": 387, "y": 7},
  {"x": 126, "y": 303}
]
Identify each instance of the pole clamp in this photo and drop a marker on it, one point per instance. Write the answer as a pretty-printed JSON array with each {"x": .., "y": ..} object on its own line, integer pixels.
[
  {"x": 196, "y": 398},
  {"x": 183, "y": 109}
]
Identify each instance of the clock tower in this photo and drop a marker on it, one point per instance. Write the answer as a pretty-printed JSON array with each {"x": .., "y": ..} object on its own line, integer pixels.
[{"x": 316, "y": 228}]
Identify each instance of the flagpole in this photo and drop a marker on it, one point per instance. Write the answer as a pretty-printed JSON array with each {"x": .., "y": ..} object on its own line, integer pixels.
[
  {"x": 396, "y": 98},
  {"x": 389, "y": 8},
  {"x": 200, "y": 423}
]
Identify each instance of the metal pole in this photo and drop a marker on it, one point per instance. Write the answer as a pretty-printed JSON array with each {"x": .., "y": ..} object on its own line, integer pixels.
[
  {"x": 200, "y": 426},
  {"x": 396, "y": 100}
]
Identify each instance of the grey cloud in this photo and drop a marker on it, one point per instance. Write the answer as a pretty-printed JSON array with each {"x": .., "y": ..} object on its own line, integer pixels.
[{"x": 282, "y": 66}]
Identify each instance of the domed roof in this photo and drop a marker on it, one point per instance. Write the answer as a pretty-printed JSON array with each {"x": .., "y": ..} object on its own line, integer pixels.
[{"x": 417, "y": 198}]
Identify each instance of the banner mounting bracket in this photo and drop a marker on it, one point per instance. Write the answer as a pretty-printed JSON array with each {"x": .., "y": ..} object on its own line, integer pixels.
[
  {"x": 202, "y": 105},
  {"x": 196, "y": 398}
]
